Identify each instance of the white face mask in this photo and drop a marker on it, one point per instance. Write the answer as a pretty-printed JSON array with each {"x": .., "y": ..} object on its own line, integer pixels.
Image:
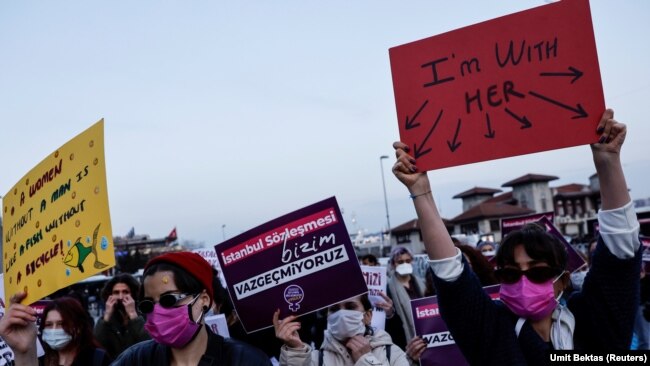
[
  {"x": 404, "y": 269},
  {"x": 577, "y": 279},
  {"x": 345, "y": 324},
  {"x": 489, "y": 253},
  {"x": 56, "y": 338}
]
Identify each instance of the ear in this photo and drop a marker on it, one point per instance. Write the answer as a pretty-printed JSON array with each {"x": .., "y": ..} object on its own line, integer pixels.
[
  {"x": 204, "y": 298},
  {"x": 367, "y": 317}
]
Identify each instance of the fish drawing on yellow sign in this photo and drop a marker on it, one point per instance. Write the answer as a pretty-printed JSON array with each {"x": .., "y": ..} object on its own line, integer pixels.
[{"x": 78, "y": 253}]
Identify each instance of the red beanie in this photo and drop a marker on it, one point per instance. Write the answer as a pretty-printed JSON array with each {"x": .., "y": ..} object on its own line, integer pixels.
[{"x": 192, "y": 263}]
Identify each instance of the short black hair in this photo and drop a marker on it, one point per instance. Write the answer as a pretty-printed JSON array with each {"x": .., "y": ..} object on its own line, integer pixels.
[
  {"x": 538, "y": 244},
  {"x": 370, "y": 258},
  {"x": 184, "y": 281}
]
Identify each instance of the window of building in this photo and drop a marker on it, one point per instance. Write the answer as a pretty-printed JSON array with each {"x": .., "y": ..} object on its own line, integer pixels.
[
  {"x": 495, "y": 225},
  {"x": 403, "y": 238},
  {"x": 522, "y": 201},
  {"x": 470, "y": 228}
]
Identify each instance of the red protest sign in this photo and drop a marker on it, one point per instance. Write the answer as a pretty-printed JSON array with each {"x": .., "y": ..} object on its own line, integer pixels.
[{"x": 519, "y": 84}]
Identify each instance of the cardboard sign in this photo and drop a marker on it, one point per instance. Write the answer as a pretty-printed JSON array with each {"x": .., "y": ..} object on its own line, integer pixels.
[
  {"x": 218, "y": 325},
  {"x": 376, "y": 280},
  {"x": 57, "y": 228},
  {"x": 441, "y": 347},
  {"x": 298, "y": 263},
  {"x": 513, "y": 223},
  {"x": 574, "y": 260},
  {"x": 514, "y": 85},
  {"x": 211, "y": 257}
]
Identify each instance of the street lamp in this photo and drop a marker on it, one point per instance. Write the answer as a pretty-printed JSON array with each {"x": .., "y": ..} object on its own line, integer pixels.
[
  {"x": 223, "y": 231},
  {"x": 383, "y": 182}
]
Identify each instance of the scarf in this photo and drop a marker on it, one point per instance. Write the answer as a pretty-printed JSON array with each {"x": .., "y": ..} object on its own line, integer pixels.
[
  {"x": 402, "y": 302},
  {"x": 562, "y": 326}
]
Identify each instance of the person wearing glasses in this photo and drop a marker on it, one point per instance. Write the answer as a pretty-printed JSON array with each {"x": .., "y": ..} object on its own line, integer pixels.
[
  {"x": 176, "y": 294},
  {"x": 528, "y": 321}
]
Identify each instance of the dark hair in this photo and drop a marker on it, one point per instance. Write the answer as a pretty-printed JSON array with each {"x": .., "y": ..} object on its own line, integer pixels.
[
  {"x": 125, "y": 278},
  {"x": 220, "y": 293},
  {"x": 370, "y": 258},
  {"x": 75, "y": 321},
  {"x": 538, "y": 244},
  {"x": 184, "y": 281},
  {"x": 365, "y": 301},
  {"x": 480, "y": 265}
]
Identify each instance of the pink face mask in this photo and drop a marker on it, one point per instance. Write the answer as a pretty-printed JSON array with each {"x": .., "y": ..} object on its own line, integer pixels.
[
  {"x": 172, "y": 327},
  {"x": 529, "y": 300}
]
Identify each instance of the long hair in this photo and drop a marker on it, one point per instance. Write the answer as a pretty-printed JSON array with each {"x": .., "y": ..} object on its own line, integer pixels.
[
  {"x": 75, "y": 321},
  {"x": 480, "y": 265}
]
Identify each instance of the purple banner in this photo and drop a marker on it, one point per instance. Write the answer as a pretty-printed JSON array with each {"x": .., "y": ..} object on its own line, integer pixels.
[
  {"x": 441, "y": 348},
  {"x": 298, "y": 263},
  {"x": 514, "y": 223},
  {"x": 574, "y": 260}
]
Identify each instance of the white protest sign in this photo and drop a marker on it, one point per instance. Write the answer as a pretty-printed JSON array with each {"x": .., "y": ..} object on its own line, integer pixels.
[{"x": 376, "y": 280}]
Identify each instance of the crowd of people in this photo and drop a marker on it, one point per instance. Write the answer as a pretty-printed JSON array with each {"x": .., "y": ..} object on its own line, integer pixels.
[{"x": 542, "y": 306}]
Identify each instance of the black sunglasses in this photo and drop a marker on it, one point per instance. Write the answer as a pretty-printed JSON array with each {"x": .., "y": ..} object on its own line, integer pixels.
[
  {"x": 534, "y": 274},
  {"x": 167, "y": 301}
]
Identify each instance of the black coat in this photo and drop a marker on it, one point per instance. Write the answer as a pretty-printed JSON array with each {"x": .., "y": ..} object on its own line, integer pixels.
[{"x": 220, "y": 351}]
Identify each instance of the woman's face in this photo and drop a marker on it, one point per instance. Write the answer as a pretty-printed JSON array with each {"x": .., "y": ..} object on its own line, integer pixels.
[
  {"x": 524, "y": 262},
  {"x": 404, "y": 258},
  {"x": 53, "y": 320},
  {"x": 352, "y": 304},
  {"x": 163, "y": 283},
  {"x": 487, "y": 248}
]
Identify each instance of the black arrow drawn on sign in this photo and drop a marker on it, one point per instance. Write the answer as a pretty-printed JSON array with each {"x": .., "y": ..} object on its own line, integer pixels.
[
  {"x": 453, "y": 145},
  {"x": 419, "y": 152},
  {"x": 577, "y": 74},
  {"x": 525, "y": 123},
  {"x": 578, "y": 110},
  {"x": 411, "y": 123},
  {"x": 491, "y": 132}
]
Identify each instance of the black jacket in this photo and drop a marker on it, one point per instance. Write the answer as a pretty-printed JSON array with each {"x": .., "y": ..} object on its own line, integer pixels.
[{"x": 220, "y": 351}]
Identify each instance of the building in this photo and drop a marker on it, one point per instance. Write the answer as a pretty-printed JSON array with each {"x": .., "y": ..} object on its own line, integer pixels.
[
  {"x": 132, "y": 251},
  {"x": 409, "y": 235},
  {"x": 574, "y": 207}
]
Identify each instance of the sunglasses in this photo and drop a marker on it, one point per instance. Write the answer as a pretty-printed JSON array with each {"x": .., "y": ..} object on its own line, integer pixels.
[
  {"x": 534, "y": 274},
  {"x": 167, "y": 301}
]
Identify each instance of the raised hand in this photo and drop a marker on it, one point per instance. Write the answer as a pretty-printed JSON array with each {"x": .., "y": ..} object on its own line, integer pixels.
[
  {"x": 129, "y": 306},
  {"x": 287, "y": 330},
  {"x": 415, "y": 347},
  {"x": 18, "y": 327}
]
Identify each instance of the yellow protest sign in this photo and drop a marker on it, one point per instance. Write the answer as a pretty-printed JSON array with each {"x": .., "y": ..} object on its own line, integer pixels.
[{"x": 56, "y": 221}]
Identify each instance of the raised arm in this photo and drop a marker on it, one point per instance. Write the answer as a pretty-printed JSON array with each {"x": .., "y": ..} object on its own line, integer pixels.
[
  {"x": 607, "y": 159},
  {"x": 437, "y": 241},
  {"x": 18, "y": 329}
]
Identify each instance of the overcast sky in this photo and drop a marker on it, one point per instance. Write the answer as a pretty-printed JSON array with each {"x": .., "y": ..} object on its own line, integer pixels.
[{"x": 236, "y": 112}]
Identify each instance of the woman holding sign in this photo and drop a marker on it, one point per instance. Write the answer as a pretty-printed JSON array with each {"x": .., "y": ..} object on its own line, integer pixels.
[
  {"x": 349, "y": 339},
  {"x": 529, "y": 321},
  {"x": 177, "y": 292}
]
